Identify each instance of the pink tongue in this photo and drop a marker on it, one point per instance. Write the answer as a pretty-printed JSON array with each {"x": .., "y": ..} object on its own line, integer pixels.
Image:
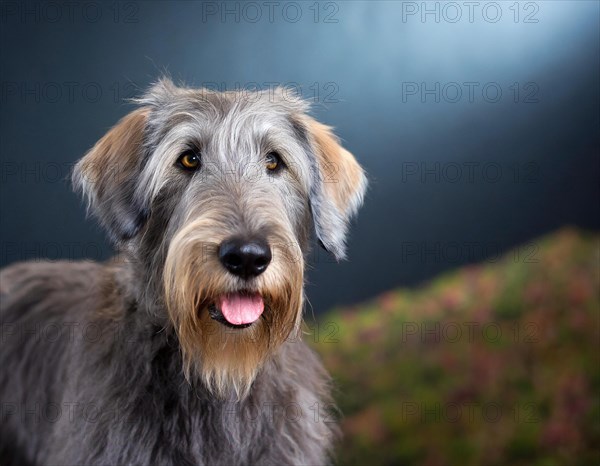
[{"x": 241, "y": 309}]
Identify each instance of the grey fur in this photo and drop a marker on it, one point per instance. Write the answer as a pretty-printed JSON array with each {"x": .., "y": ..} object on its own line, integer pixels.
[{"x": 91, "y": 365}]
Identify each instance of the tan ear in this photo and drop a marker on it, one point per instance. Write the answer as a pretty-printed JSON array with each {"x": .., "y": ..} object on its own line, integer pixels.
[
  {"x": 107, "y": 177},
  {"x": 339, "y": 191}
]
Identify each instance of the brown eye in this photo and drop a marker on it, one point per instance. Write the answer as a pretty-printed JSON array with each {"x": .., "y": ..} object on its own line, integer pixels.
[
  {"x": 189, "y": 160},
  {"x": 273, "y": 161}
]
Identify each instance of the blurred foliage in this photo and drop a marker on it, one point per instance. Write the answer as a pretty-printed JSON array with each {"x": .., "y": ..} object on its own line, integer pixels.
[{"x": 493, "y": 364}]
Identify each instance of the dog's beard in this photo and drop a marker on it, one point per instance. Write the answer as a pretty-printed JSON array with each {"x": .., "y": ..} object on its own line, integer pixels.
[{"x": 227, "y": 359}]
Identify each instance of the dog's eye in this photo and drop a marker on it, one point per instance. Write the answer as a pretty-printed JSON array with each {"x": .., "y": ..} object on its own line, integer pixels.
[
  {"x": 273, "y": 161},
  {"x": 189, "y": 160}
]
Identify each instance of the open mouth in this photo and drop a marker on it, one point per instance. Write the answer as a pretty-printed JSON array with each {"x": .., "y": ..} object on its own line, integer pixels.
[{"x": 237, "y": 310}]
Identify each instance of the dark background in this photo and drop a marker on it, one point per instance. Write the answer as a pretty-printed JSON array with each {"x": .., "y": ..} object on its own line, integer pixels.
[{"x": 454, "y": 178}]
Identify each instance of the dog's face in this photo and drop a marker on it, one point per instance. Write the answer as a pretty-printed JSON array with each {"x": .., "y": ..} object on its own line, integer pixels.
[{"x": 213, "y": 197}]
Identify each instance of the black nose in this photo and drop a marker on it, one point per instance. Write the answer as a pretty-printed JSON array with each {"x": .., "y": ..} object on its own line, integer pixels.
[{"x": 245, "y": 258}]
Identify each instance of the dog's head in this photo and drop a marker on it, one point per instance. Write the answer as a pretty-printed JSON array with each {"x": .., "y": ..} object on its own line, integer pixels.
[{"x": 213, "y": 197}]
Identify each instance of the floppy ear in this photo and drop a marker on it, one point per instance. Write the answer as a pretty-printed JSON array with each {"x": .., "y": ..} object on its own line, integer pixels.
[
  {"x": 107, "y": 177},
  {"x": 338, "y": 188}
]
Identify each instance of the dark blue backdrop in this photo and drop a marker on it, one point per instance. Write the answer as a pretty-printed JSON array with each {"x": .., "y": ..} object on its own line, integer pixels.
[{"x": 478, "y": 124}]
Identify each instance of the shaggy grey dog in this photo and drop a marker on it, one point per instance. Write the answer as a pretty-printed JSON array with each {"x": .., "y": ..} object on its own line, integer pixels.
[{"x": 186, "y": 347}]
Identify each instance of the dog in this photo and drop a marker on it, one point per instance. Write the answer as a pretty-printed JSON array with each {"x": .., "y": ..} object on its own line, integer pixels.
[{"x": 186, "y": 347}]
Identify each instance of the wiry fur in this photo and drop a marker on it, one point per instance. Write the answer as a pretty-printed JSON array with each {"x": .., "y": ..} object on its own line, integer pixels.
[{"x": 126, "y": 351}]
